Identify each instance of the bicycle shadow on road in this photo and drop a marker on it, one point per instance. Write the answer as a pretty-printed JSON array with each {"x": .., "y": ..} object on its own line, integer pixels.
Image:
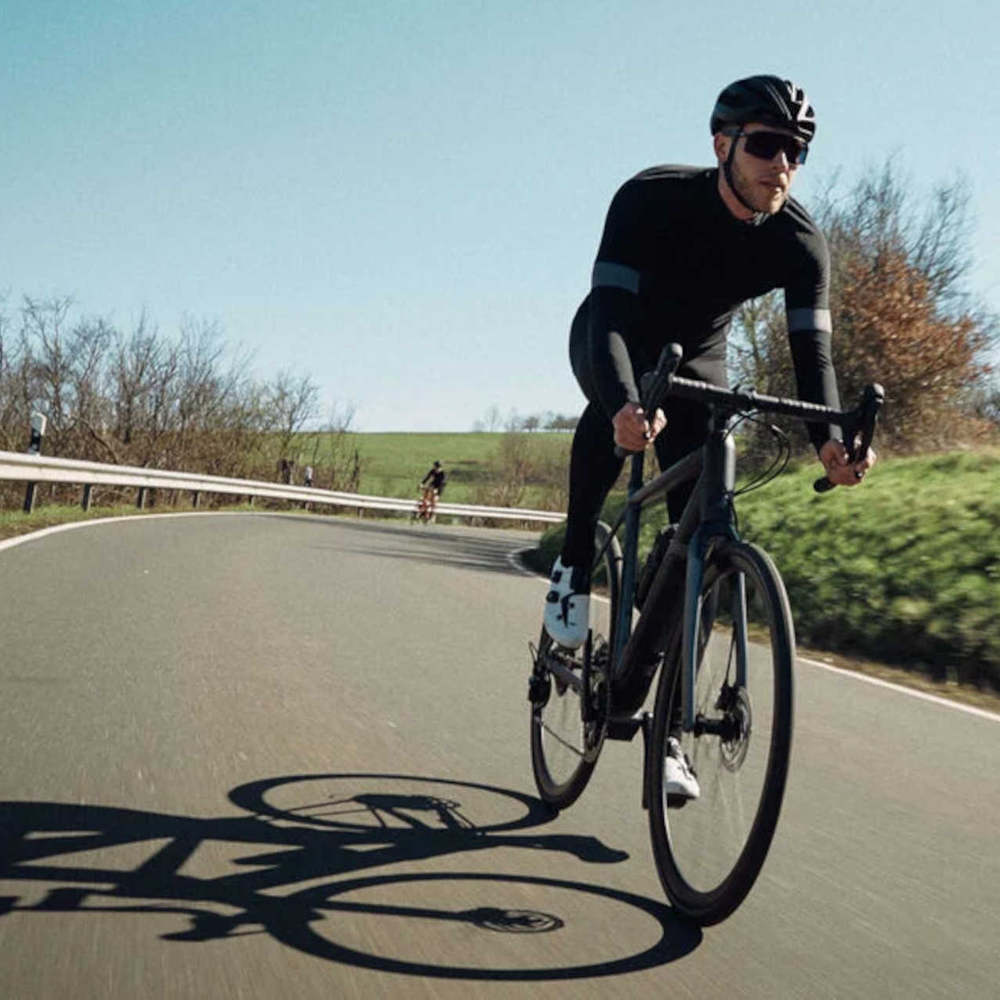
[{"x": 310, "y": 827}]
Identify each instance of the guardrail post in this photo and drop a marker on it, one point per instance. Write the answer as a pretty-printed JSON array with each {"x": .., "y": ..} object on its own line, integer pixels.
[
  {"x": 87, "y": 491},
  {"x": 140, "y": 500},
  {"x": 195, "y": 499},
  {"x": 38, "y": 421}
]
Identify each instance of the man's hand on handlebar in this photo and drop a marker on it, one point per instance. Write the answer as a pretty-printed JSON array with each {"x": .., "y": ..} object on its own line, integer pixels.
[
  {"x": 632, "y": 430},
  {"x": 839, "y": 469}
]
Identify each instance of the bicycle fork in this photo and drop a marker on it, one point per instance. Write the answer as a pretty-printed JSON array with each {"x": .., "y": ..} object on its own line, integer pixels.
[
  {"x": 718, "y": 484},
  {"x": 699, "y": 620}
]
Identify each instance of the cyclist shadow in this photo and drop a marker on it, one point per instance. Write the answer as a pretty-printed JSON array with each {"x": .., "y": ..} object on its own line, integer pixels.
[{"x": 360, "y": 821}]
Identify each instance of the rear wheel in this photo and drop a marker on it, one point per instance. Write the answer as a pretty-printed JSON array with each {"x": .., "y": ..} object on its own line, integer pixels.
[
  {"x": 710, "y": 850},
  {"x": 569, "y": 692}
]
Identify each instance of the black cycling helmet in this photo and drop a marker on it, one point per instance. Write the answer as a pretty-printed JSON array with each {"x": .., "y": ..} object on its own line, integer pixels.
[{"x": 768, "y": 100}]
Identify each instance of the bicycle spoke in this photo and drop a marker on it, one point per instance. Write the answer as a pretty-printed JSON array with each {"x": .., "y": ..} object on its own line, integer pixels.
[{"x": 569, "y": 746}]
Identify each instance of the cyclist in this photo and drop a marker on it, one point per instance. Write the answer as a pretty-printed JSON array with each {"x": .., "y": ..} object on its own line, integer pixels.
[
  {"x": 682, "y": 248},
  {"x": 433, "y": 484}
]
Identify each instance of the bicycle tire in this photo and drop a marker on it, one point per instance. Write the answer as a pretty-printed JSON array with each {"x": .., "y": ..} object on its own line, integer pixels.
[
  {"x": 565, "y": 748},
  {"x": 709, "y": 852}
]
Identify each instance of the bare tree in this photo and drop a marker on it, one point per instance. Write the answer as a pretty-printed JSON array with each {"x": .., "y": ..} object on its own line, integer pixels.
[
  {"x": 136, "y": 357},
  {"x": 134, "y": 396},
  {"x": 12, "y": 411},
  {"x": 334, "y": 452},
  {"x": 561, "y": 422},
  {"x": 91, "y": 410},
  {"x": 44, "y": 325},
  {"x": 293, "y": 403}
]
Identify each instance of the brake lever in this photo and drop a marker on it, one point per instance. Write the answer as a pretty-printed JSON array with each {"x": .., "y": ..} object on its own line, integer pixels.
[
  {"x": 654, "y": 385},
  {"x": 860, "y": 435}
]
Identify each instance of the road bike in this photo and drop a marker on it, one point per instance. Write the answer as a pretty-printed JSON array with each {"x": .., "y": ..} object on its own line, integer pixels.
[
  {"x": 426, "y": 508},
  {"x": 710, "y": 615}
]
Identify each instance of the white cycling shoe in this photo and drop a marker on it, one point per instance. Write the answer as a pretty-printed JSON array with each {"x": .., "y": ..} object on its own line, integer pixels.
[
  {"x": 679, "y": 780},
  {"x": 567, "y": 606}
]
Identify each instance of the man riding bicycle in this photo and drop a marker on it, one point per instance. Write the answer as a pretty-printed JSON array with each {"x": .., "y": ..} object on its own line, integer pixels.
[
  {"x": 433, "y": 484},
  {"x": 682, "y": 248}
]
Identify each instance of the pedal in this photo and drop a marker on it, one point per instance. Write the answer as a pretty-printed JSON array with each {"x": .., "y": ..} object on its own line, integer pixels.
[{"x": 624, "y": 727}]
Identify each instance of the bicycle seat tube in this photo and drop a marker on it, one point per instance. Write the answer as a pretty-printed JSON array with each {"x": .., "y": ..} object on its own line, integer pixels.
[{"x": 654, "y": 627}]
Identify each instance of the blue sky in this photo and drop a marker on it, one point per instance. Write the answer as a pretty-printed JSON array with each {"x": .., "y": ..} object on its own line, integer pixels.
[{"x": 403, "y": 199}]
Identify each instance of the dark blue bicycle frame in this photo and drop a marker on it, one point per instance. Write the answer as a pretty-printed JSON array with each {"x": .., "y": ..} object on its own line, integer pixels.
[{"x": 708, "y": 517}]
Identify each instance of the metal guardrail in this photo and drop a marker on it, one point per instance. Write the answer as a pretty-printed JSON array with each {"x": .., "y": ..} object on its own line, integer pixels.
[{"x": 31, "y": 468}]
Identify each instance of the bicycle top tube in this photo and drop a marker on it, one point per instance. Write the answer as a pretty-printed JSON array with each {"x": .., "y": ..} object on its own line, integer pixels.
[{"x": 681, "y": 471}]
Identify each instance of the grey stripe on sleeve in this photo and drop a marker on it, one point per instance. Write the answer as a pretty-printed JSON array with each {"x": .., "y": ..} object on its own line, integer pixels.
[
  {"x": 809, "y": 319},
  {"x": 611, "y": 275}
]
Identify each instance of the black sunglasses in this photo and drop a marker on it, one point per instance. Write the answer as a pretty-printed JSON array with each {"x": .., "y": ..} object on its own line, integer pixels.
[{"x": 767, "y": 145}]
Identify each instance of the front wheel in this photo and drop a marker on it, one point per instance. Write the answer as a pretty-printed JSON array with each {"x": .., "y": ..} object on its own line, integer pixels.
[
  {"x": 570, "y": 693},
  {"x": 709, "y": 850}
]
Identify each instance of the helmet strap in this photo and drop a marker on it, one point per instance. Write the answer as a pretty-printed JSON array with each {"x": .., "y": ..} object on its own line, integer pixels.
[{"x": 727, "y": 169}]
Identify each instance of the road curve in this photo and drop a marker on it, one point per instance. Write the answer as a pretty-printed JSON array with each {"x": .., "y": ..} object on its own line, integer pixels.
[{"x": 258, "y": 756}]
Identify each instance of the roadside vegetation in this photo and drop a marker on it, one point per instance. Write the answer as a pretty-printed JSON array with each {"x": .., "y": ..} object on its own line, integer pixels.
[{"x": 15, "y": 523}]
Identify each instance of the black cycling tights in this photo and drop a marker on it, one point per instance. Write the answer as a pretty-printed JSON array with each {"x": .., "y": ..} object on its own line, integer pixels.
[{"x": 593, "y": 466}]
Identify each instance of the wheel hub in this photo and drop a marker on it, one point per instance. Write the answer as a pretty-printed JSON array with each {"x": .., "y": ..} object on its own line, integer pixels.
[{"x": 735, "y": 740}]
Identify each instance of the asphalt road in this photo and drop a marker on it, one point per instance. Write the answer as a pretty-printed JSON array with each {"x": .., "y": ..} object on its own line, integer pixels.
[{"x": 287, "y": 757}]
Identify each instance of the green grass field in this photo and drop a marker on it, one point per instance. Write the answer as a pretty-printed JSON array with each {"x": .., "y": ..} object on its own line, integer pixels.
[{"x": 392, "y": 464}]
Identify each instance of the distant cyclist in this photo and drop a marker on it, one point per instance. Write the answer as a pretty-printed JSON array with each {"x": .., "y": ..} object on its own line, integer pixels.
[
  {"x": 682, "y": 248},
  {"x": 433, "y": 484}
]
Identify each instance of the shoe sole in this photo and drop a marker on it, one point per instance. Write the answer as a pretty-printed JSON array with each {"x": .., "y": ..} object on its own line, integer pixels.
[{"x": 678, "y": 801}]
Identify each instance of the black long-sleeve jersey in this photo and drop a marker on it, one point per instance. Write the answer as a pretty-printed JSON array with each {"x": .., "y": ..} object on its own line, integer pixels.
[
  {"x": 674, "y": 264},
  {"x": 437, "y": 478}
]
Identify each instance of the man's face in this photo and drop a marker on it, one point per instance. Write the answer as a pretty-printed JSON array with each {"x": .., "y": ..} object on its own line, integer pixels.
[{"x": 762, "y": 183}]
